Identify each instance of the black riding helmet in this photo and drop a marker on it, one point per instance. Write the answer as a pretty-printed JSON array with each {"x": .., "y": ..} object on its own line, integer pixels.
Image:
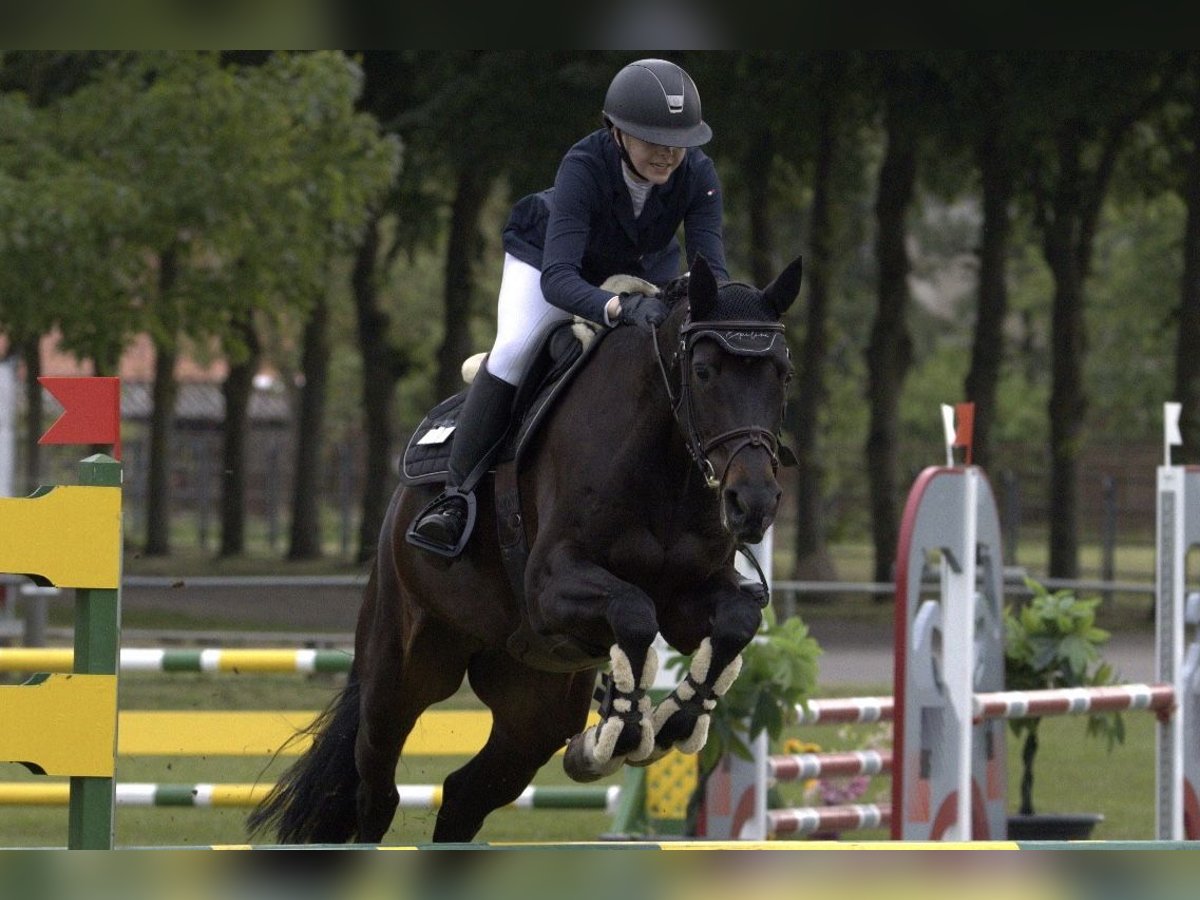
[{"x": 656, "y": 101}]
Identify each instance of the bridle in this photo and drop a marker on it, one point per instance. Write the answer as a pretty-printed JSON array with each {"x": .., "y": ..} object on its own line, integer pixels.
[{"x": 739, "y": 338}]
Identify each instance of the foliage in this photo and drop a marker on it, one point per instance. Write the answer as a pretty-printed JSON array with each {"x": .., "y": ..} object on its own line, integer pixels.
[
  {"x": 1053, "y": 642},
  {"x": 246, "y": 178},
  {"x": 779, "y": 670},
  {"x": 255, "y": 170}
]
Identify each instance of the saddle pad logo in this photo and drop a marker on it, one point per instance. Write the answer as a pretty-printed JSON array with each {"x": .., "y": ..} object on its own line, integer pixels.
[{"x": 437, "y": 435}]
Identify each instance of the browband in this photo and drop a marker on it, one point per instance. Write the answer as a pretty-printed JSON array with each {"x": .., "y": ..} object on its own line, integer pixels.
[{"x": 738, "y": 338}]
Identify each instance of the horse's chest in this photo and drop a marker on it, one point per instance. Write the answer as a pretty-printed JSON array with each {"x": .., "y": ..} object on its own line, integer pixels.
[{"x": 692, "y": 558}]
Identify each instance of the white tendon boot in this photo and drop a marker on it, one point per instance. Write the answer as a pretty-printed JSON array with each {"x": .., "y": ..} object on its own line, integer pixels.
[
  {"x": 685, "y": 695},
  {"x": 590, "y": 755},
  {"x": 622, "y": 665}
]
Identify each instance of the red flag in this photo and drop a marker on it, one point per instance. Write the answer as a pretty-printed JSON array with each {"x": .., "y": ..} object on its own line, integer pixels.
[
  {"x": 91, "y": 411},
  {"x": 964, "y": 427}
]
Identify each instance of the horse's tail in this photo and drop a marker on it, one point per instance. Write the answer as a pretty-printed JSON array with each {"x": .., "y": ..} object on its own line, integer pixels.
[{"x": 314, "y": 800}]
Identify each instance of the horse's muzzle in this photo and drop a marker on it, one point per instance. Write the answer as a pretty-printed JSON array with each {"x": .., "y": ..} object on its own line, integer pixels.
[{"x": 748, "y": 510}]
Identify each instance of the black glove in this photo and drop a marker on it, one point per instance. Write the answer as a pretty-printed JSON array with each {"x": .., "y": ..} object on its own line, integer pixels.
[{"x": 642, "y": 311}]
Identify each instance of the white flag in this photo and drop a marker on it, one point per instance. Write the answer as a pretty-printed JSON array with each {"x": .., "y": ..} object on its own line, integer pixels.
[
  {"x": 1171, "y": 424},
  {"x": 948, "y": 429}
]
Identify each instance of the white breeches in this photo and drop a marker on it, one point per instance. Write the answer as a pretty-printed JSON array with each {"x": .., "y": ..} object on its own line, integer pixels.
[{"x": 522, "y": 318}]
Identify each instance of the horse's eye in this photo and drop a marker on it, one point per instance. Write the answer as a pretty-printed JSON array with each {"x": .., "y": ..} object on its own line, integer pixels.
[{"x": 702, "y": 371}]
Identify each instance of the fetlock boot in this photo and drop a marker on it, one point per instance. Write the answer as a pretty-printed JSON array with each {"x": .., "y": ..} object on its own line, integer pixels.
[{"x": 443, "y": 527}]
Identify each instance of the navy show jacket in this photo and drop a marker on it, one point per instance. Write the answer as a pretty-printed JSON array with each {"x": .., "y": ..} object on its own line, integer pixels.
[{"x": 583, "y": 230}]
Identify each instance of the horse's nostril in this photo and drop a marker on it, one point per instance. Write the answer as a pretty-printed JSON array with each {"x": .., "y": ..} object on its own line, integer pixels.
[{"x": 734, "y": 504}]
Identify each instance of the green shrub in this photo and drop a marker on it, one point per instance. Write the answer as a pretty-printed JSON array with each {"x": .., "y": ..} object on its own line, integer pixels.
[{"x": 1053, "y": 642}]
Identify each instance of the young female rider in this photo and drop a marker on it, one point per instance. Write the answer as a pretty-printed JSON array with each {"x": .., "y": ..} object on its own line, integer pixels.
[{"x": 618, "y": 199}]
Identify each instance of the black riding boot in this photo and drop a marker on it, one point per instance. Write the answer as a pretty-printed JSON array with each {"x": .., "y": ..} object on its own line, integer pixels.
[{"x": 442, "y": 527}]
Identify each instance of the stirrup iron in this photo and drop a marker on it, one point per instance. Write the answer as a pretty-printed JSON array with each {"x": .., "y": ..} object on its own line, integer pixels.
[{"x": 449, "y": 552}]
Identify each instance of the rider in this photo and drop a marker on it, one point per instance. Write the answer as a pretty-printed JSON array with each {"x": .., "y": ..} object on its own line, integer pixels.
[{"x": 618, "y": 199}]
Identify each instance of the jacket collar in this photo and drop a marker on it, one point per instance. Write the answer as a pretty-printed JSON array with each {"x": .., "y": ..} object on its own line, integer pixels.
[{"x": 621, "y": 202}]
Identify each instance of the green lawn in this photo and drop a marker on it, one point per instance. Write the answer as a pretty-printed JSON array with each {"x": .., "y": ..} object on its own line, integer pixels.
[{"x": 1075, "y": 774}]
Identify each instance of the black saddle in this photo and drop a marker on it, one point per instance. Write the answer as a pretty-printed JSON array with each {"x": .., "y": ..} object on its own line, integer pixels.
[{"x": 561, "y": 354}]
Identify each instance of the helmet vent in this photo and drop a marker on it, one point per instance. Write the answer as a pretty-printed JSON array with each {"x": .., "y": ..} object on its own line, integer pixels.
[{"x": 674, "y": 101}]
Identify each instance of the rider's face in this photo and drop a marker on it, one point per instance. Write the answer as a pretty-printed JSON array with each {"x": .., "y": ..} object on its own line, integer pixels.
[{"x": 654, "y": 162}]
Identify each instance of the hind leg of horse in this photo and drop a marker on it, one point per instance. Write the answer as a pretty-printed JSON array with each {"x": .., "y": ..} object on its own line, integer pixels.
[
  {"x": 681, "y": 720},
  {"x": 398, "y": 687},
  {"x": 533, "y": 714}
]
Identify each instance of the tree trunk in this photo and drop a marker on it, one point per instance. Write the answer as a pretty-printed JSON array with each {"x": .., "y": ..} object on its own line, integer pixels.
[
  {"x": 306, "y": 484},
  {"x": 889, "y": 353},
  {"x": 760, "y": 156},
  {"x": 35, "y": 411},
  {"x": 1069, "y": 234},
  {"x": 1029, "y": 749},
  {"x": 237, "y": 389},
  {"x": 1067, "y": 244},
  {"x": 987, "y": 352},
  {"x": 1187, "y": 360},
  {"x": 382, "y": 365},
  {"x": 462, "y": 250},
  {"x": 813, "y": 562},
  {"x": 164, "y": 394}
]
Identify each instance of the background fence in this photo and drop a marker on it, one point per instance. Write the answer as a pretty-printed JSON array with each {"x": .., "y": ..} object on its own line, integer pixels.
[{"x": 1116, "y": 482}]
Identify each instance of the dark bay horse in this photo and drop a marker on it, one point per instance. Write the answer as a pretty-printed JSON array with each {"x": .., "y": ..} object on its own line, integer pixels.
[{"x": 660, "y": 461}]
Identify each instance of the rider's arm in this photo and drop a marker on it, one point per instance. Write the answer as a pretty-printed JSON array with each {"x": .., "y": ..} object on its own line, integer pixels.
[
  {"x": 702, "y": 223},
  {"x": 577, "y": 188}
]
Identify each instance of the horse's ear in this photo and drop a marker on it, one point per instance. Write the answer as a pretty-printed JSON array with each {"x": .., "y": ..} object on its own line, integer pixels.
[
  {"x": 702, "y": 290},
  {"x": 782, "y": 292}
]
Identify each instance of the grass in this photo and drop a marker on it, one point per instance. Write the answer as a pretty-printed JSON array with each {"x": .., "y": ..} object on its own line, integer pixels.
[{"x": 1075, "y": 773}]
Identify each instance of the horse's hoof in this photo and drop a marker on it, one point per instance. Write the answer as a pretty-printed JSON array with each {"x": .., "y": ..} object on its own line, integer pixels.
[
  {"x": 655, "y": 755},
  {"x": 579, "y": 760}
]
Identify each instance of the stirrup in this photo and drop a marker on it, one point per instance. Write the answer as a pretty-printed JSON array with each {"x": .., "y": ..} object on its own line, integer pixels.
[{"x": 446, "y": 550}]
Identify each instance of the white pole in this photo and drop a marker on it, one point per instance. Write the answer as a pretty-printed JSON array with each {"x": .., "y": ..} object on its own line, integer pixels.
[
  {"x": 1169, "y": 589},
  {"x": 755, "y": 827},
  {"x": 8, "y": 424},
  {"x": 958, "y": 623}
]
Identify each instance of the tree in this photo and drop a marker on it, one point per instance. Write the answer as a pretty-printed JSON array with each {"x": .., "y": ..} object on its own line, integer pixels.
[
  {"x": 179, "y": 129},
  {"x": 1187, "y": 360},
  {"x": 346, "y": 165},
  {"x": 53, "y": 271},
  {"x": 833, "y": 99},
  {"x": 233, "y": 222},
  {"x": 1096, "y": 98},
  {"x": 985, "y": 101},
  {"x": 889, "y": 353}
]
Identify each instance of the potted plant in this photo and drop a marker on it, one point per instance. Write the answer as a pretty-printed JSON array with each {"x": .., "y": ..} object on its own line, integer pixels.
[
  {"x": 1053, "y": 642},
  {"x": 779, "y": 670}
]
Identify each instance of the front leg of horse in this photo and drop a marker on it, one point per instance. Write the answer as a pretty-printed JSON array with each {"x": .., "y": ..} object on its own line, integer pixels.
[
  {"x": 682, "y": 719},
  {"x": 624, "y": 732}
]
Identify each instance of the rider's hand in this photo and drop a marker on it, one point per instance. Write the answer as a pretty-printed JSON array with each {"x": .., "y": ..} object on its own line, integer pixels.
[{"x": 642, "y": 311}]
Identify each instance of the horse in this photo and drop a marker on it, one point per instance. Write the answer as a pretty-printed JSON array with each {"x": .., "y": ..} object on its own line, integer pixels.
[{"x": 642, "y": 483}]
